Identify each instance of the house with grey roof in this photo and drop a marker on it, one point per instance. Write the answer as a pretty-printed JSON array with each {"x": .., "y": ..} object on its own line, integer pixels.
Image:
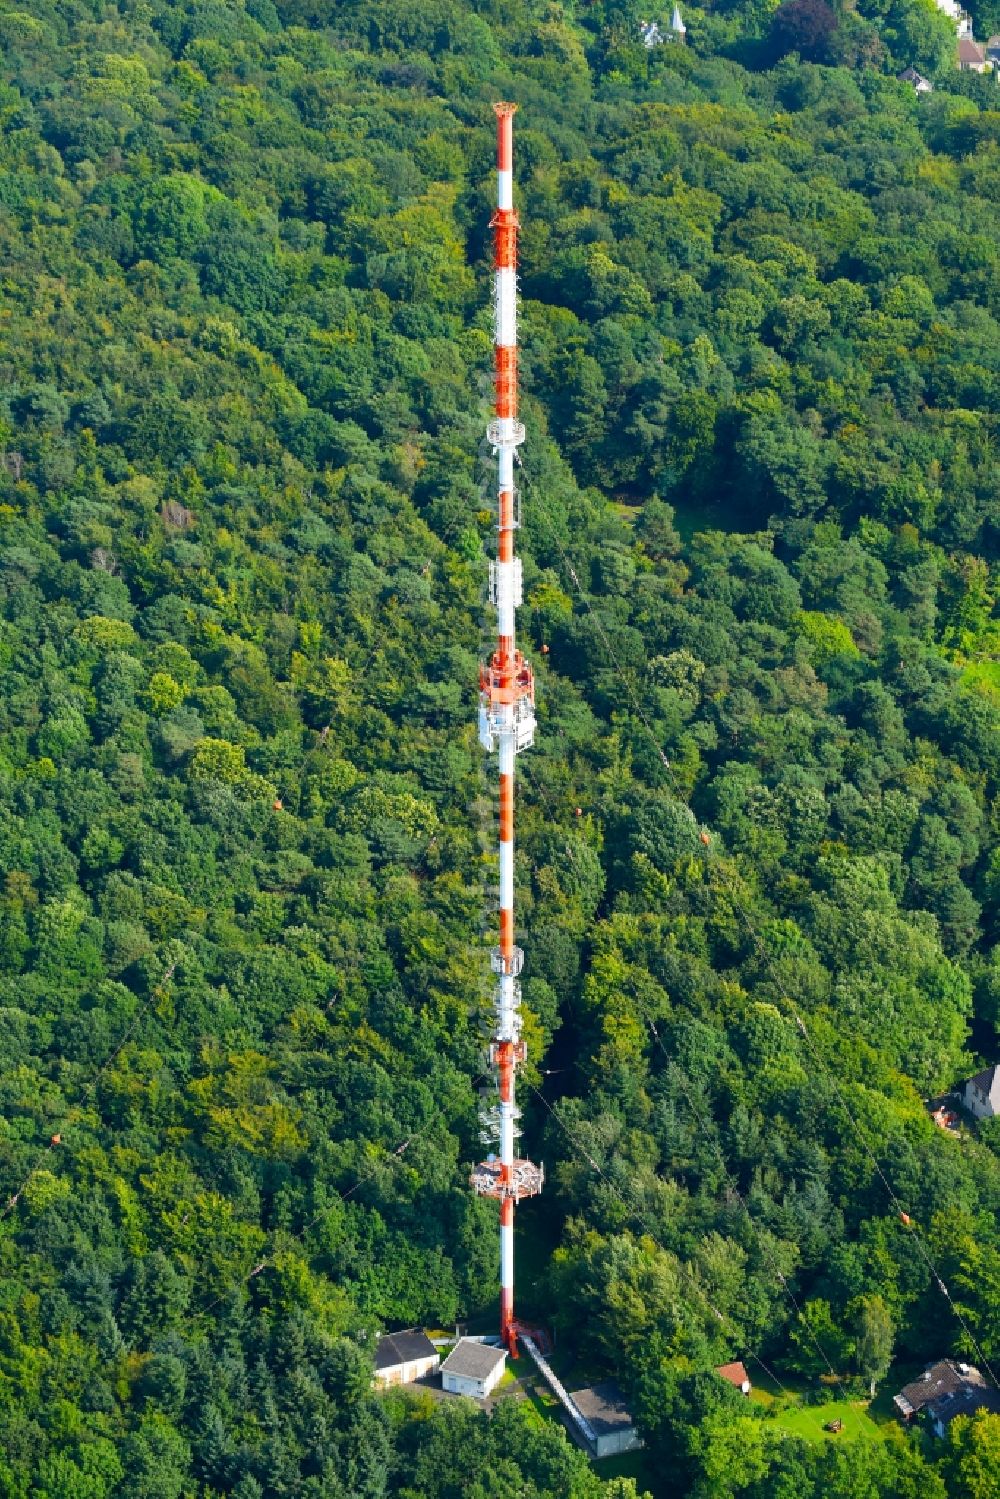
[
  {"x": 917, "y": 81},
  {"x": 402, "y": 1357},
  {"x": 981, "y": 1094},
  {"x": 946, "y": 1390},
  {"x": 473, "y": 1368},
  {"x": 603, "y": 1405}
]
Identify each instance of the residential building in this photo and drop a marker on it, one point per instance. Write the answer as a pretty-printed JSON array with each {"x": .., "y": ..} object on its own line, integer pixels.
[
  {"x": 971, "y": 57},
  {"x": 473, "y": 1368},
  {"x": 981, "y": 1094},
  {"x": 603, "y": 1405},
  {"x": 917, "y": 81},
  {"x": 993, "y": 49},
  {"x": 402, "y": 1357},
  {"x": 946, "y": 1390}
]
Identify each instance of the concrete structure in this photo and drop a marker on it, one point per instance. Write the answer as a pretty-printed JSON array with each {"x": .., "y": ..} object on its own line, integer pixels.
[
  {"x": 917, "y": 81},
  {"x": 981, "y": 1094},
  {"x": 473, "y": 1368},
  {"x": 946, "y": 1390},
  {"x": 651, "y": 34},
  {"x": 402, "y": 1357},
  {"x": 506, "y": 724},
  {"x": 603, "y": 1408},
  {"x": 736, "y": 1375}
]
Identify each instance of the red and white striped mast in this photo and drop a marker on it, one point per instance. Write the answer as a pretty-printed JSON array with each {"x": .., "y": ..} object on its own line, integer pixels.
[{"x": 506, "y": 723}]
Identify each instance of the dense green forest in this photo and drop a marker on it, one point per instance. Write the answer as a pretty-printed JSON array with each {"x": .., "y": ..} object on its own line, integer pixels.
[{"x": 246, "y": 833}]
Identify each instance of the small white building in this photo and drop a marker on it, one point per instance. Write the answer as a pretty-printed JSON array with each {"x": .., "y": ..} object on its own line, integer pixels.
[
  {"x": 736, "y": 1375},
  {"x": 677, "y": 27},
  {"x": 603, "y": 1405},
  {"x": 981, "y": 1094},
  {"x": 473, "y": 1368},
  {"x": 402, "y": 1357}
]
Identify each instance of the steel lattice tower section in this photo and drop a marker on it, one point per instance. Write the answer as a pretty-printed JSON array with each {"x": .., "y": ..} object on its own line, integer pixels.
[{"x": 507, "y": 724}]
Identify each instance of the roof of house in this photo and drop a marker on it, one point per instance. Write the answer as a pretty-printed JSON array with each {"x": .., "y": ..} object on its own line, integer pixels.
[
  {"x": 910, "y": 75},
  {"x": 604, "y": 1407},
  {"x": 472, "y": 1360},
  {"x": 964, "y": 1403},
  {"x": 403, "y": 1348},
  {"x": 735, "y": 1373},
  {"x": 984, "y": 1079},
  {"x": 970, "y": 51},
  {"x": 938, "y": 1381}
]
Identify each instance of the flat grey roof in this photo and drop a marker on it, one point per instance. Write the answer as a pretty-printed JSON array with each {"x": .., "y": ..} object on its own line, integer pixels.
[
  {"x": 473, "y": 1360},
  {"x": 403, "y": 1348},
  {"x": 604, "y": 1407}
]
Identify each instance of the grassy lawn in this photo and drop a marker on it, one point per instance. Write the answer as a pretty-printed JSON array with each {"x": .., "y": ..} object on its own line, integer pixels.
[
  {"x": 788, "y": 1410},
  {"x": 807, "y": 1421},
  {"x": 531, "y": 1405},
  {"x": 544, "y": 1406},
  {"x": 543, "y": 1400}
]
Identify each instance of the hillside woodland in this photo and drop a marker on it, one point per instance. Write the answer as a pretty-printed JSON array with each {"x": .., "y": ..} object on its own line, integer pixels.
[{"x": 246, "y": 833}]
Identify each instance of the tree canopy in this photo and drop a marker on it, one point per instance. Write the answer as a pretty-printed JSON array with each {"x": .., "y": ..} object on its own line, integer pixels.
[{"x": 247, "y": 836}]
